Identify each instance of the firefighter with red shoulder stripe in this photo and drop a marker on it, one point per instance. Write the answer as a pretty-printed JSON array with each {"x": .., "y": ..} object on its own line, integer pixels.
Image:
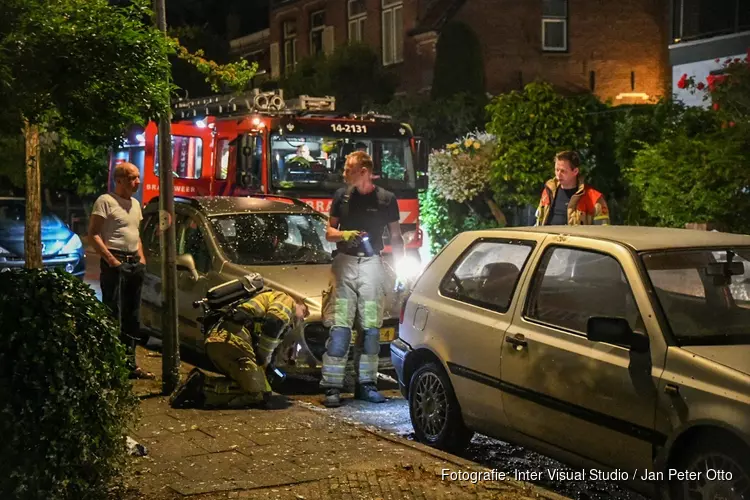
[{"x": 567, "y": 200}]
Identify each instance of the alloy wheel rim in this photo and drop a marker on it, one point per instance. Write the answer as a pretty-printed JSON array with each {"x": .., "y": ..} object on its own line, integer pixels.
[
  {"x": 430, "y": 405},
  {"x": 736, "y": 488}
]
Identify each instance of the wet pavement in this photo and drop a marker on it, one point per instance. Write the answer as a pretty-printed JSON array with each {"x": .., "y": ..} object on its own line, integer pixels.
[{"x": 393, "y": 416}]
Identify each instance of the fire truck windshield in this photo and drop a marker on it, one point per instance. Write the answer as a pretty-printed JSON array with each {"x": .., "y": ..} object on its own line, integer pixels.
[{"x": 317, "y": 163}]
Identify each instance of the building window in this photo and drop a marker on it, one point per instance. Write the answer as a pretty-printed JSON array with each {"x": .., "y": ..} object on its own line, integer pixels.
[
  {"x": 317, "y": 26},
  {"x": 357, "y": 17},
  {"x": 290, "y": 46},
  {"x": 555, "y": 25},
  {"x": 697, "y": 19},
  {"x": 393, "y": 31}
]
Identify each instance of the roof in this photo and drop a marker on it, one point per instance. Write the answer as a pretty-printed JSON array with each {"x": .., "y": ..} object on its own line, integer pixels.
[
  {"x": 216, "y": 205},
  {"x": 641, "y": 238},
  {"x": 437, "y": 15}
]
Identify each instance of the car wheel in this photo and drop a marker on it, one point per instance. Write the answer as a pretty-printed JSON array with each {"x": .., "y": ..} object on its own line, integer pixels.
[
  {"x": 434, "y": 411},
  {"x": 724, "y": 468}
]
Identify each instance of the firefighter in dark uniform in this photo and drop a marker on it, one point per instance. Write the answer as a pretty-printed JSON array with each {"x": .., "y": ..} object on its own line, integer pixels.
[{"x": 359, "y": 214}]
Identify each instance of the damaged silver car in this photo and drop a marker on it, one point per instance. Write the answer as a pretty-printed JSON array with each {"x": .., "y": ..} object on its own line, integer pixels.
[{"x": 220, "y": 239}]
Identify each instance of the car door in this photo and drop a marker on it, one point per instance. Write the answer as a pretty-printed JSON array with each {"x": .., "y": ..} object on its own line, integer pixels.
[
  {"x": 468, "y": 323},
  {"x": 191, "y": 238},
  {"x": 594, "y": 399},
  {"x": 151, "y": 291}
]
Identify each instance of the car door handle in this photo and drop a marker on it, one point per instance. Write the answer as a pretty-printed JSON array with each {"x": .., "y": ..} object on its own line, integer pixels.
[
  {"x": 518, "y": 341},
  {"x": 672, "y": 389}
]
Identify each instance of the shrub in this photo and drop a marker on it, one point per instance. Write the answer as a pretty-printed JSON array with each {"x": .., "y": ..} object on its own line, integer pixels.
[
  {"x": 65, "y": 398},
  {"x": 531, "y": 126},
  {"x": 444, "y": 219}
]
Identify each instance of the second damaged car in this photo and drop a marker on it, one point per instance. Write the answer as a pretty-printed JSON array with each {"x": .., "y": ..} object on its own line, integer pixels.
[{"x": 220, "y": 239}]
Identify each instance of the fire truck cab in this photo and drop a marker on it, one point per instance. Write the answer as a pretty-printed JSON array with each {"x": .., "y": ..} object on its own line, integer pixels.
[{"x": 258, "y": 143}]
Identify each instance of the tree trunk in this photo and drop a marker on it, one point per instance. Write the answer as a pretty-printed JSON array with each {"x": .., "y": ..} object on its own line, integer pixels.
[
  {"x": 33, "y": 231},
  {"x": 496, "y": 212}
]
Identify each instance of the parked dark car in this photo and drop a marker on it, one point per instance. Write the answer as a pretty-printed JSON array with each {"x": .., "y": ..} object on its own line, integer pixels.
[{"x": 61, "y": 247}]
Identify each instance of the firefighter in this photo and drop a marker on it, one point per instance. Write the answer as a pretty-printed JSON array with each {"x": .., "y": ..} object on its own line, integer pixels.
[
  {"x": 231, "y": 347},
  {"x": 567, "y": 200},
  {"x": 358, "y": 216}
]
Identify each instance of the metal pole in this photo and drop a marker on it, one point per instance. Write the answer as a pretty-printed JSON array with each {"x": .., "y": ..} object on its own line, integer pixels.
[{"x": 170, "y": 361}]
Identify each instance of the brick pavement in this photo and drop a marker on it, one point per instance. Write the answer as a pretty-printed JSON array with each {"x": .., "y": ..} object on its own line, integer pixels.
[{"x": 294, "y": 451}]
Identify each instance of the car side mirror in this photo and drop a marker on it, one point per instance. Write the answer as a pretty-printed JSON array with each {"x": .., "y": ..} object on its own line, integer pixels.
[
  {"x": 615, "y": 331},
  {"x": 185, "y": 262}
]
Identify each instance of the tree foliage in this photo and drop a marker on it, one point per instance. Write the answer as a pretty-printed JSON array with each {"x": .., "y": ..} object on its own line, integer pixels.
[
  {"x": 352, "y": 74},
  {"x": 696, "y": 178},
  {"x": 440, "y": 121},
  {"x": 443, "y": 219},
  {"x": 694, "y": 164},
  {"x": 83, "y": 66},
  {"x": 531, "y": 126},
  {"x": 459, "y": 67}
]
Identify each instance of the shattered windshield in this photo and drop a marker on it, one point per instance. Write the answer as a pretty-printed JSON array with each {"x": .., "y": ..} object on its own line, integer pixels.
[
  {"x": 314, "y": 162},
  {"x": 705, "y": 294},
  {"x": 273, "y": 238}
]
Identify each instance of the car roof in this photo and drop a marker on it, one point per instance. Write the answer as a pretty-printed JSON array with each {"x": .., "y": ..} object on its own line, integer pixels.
[
  {"x": 640, "y": 238},
  {"x": 219, "y": 205}
]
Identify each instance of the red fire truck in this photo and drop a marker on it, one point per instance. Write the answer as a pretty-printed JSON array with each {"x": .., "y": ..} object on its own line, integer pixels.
[{"x": 259, "y": 143}]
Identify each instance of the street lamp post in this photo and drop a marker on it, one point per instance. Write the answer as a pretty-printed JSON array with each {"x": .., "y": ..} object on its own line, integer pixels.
[{"x": 170, "y": 344}]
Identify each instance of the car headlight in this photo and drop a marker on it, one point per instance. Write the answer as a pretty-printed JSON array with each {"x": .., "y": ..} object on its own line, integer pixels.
[{"x": 73, "y": 245}]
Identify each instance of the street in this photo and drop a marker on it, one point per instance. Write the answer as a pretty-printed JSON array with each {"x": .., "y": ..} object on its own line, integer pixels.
[{"x": 393, "y": 416}]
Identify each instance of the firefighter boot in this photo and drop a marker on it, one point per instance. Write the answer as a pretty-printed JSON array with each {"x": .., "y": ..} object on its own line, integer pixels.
[
  {"x": 189, "y": 394},
  {"x": 369, "y": 393},
  {"x": 332, "y": 399}
]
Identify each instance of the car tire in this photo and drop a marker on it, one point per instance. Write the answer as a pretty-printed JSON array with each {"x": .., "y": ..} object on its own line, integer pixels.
[
  {"x": 434, "y": 410},
  {"x": 720, "y": 454}
]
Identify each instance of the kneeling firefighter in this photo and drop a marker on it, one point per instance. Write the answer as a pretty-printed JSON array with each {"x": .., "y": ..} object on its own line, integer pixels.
[{"x": 240, "y": 342}]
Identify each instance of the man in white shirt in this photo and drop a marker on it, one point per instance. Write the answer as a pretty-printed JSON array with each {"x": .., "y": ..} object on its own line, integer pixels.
[{"x": 114, "y": 232}]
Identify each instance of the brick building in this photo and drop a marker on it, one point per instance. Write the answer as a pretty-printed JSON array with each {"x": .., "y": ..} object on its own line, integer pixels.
[{"x": 617, "y": 49}]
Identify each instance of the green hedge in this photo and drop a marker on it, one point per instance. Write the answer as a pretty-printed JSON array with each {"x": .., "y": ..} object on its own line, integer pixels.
[{"x": 65, "y": 399}]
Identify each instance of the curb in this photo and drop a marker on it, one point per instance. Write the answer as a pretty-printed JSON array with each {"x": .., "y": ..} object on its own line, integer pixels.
[{"x": 537, "y": 491}]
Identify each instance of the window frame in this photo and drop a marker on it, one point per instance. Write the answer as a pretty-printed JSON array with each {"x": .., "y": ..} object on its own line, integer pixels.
[
  {"x": 356, "y": 20},
  {"x": 391, "y": 7},
  {"x": 536, "y": 278},
  {"x": 317, "y": 30},
  {"x": 289, "y": 39},
  {"x": 555, "y": 19},
  {"x": 531, "y": 244}
]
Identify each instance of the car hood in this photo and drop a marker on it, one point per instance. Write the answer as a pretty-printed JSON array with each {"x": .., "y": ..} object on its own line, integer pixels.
[
  {"x": 54, "y": 237},
  {"x": 309, "y": 281},
  {"x": 736, "y": 357}
]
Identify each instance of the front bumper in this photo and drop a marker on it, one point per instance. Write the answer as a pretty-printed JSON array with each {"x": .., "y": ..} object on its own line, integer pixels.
[
  {"x": 74, "y": 264},
  {"x": 302, "y": 351}
]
